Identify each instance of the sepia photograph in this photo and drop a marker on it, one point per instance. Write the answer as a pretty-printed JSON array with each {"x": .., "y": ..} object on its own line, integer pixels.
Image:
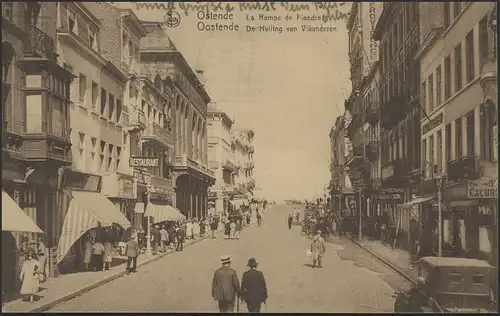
[{"x": 249, "y": 157}]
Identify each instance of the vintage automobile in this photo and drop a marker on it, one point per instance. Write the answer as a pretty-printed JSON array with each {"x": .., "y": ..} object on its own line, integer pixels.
[{"x": 445, "y": 284}]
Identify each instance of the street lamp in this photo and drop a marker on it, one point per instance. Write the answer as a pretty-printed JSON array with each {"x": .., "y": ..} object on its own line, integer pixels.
[{"x": 149, "y": 251}]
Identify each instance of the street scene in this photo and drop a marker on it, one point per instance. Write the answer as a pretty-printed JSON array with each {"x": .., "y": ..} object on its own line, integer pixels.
[{"x": 336, "y": 157}]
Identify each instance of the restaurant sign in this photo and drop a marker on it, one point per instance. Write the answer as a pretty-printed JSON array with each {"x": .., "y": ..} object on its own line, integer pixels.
[
  {"x": 143, "y": 162},
  {"x": 74, "y": 180},
  {"x": 482, "y": 189}
]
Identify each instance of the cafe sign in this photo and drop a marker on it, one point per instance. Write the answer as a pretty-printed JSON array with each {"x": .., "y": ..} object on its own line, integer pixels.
[{"x": 482, "y": 189}]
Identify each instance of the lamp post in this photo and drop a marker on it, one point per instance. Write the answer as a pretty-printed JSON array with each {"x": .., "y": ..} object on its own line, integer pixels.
[
  {"x": 149, "y": 251},
  {"x": 439, "y": 180}
]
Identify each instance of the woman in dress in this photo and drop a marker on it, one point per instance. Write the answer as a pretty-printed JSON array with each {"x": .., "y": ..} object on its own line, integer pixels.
[
  {"x": 87, "y": 252},
  {"x": 108, "y": 255},
  {"x": 189, "y": 229},
  {"x": 196, "y": 229},
  {"x": 43, "y": 254},
  {"x": 203, "y": 228},
  {"x": 30, "y": 275}
]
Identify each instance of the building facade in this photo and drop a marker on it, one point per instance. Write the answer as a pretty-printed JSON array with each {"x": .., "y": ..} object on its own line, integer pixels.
[
  {"x": 458, "y": 131},
  {"x": 397, "y": 31},
  {"x": 363, "y": 53},
  {"x": 243, "y": 153},
  {"x": 36, "y": 115}
]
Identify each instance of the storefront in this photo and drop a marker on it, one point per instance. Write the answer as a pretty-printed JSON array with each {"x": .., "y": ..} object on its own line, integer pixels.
[
  {"x": 472, "y": 208},
  {"x": 159, "y": 204},
  {"x": 83, "y": 211},
  {"x": 121, "y": 190}
]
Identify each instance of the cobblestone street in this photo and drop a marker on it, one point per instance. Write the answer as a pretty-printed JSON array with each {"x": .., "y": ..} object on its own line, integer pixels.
[{"x": 181, "y": 282}]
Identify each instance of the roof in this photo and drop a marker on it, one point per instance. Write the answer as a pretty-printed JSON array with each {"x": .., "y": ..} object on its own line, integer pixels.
[{"x": 453, "y": 262}]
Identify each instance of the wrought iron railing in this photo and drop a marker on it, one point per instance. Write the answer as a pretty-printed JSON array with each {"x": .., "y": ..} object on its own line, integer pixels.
[{"x": 37, "y": 41}]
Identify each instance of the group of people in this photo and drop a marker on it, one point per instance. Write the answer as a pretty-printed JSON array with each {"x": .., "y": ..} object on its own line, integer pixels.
[
  {"x": 33, "y": 269},
  {"x": 98, "y": 253},
  {"x": 226, "y": 289}
]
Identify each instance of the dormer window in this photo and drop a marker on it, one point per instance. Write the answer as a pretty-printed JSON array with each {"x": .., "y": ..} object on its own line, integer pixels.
[{"x": 72, "y": 22}]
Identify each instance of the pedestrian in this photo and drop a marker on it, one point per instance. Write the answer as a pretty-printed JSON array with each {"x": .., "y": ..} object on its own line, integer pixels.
[
  {"x": 238, "y": 228},
  {"x": 30, "y": 275},
  {"x": 96, "y": 261},
  {"x": 297, "y": 215},
  {"x": 253, "y": 287},
  {"x": 181, "y": 234},
  {"x": 43, "y": 254},
  {"x": 189, "y": 229},
  {"x": 132, "y": 252},
  {"x": 232, "y": 230},
  {"x": 248, "y": 217},
  {"x": 163, "y": 238},
  {"x": 213, "y": 226},
  {"x": 171, "y": 234},
  {"x": 203, "y": 228},
  {"x": 290, "y": 221},
  {"x": 196, "y": 229},
  {"x": 227, "y": 229},
  {"x": 225, "y": 286},
  {"x": 259, "y": 218},
  {"x": 108, "y": 255},
  {"x": 156, "y": 238},
  {"x": 318, "y": 248},
  {"x": 87, "y": 252}
]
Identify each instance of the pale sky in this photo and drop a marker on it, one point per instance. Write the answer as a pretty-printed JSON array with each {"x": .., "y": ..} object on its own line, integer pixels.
[{"x": 286, "y": 87}]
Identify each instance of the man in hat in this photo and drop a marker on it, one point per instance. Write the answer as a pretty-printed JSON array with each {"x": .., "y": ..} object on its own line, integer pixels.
[
  {"x": 132, "y": 251},
  {"x": 318, "y": 248},
  {"x": 225, "y": 286},
  {"x": 253, "y": 287}
]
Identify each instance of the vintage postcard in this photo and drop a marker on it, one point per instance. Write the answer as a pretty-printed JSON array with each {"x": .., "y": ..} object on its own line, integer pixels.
[{"x": 234, "y": 157}]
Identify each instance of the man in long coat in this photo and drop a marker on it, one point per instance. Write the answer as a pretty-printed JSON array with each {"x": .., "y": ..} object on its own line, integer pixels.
[
  {"x": 253, "y": 287},
  {"x": 225, "y": 286},
  {"x": 318, "y": 248}
]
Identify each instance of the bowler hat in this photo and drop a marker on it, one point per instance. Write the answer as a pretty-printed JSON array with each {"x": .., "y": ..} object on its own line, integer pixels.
[
  {"x": 252, "y": 263},
  {"x": 225, "y": 259}
]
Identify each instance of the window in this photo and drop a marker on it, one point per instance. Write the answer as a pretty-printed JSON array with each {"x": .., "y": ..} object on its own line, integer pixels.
[
  {"x": 34, "y": 113},
  {"x": 458, "y": 138},
  {"x": 111, "y": 110},
  {"x": 82, "y": 87},
  {"x": 102, "y": 162},
  {"x": 438, "y": 85},
  {"x": 486, "y": 123},
  {"x": 469, "y": 119},
  {"x": 424, "y": 152},
  {"x": 118, "y": 110},
  {"x": 439, "y": 153},
  {"x": 431, "y": 92},
  {"x": 72, "y": 22},
  {"x": 423, "y": 93},
  {"x": 448, "y": 142},
  {"x": 8, "y": 10},
  {"x": 93, "y": 39},
  {"x": 483, "y": 40},
  {"x": 104, "y": 96},
  {"x": 458, "y": 68},
  {"x": 58, "y": 122},
  {"x": 446, "y": 9},
  {"x": 95, "y": 94},
  {"x": 431, "y": 153},
  {"x": 447, "y": 78},
  {"x": 469, "y": 56},
  {"x": 456, "y": 9},
  {"x": 110, "y": 165},
  {"x": 118, "y": 158}
]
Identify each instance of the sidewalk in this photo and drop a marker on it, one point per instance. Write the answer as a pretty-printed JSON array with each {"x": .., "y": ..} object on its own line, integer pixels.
[
  {"x": 66, "y": 287},
  {"x": 397, "y": 259}
]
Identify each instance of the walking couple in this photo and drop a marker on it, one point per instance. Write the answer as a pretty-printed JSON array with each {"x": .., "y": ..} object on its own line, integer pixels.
[{"x": 226, "y": 287}]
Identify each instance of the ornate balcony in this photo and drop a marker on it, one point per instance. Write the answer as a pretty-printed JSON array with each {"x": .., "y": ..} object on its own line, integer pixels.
[
  {"x": 396, "y": 170},
  {"x": 355, "y": 157},
  {"x": 371, "y": 112},
  {"x": 37, "y": 43},
  {"x": 371, "y": 150},
  {"x": 464, "y": 168},
  {"x": 137, "y": 120},
  {"x": 185, "y": 164},
  {"x": 158, "y": 134},
  {"x": 393, "y": 111}
]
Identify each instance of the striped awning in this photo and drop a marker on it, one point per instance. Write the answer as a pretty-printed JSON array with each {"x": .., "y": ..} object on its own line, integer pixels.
[
  {"x": 86, "y": 211},
  {"x": 163, "y": 213},
  {"x": 14, "y": 219}
]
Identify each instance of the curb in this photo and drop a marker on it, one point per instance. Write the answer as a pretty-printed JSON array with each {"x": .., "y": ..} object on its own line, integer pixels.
[
  {"x": 90, "y": 287},
  {"x": 388, "y": 263}
]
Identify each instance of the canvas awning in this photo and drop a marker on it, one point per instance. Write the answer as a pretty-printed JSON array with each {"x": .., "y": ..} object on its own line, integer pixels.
[
  {"x": 14, "y": 219},
  {"x": 418, "y": 200},
  {"x": 86, "y": 211},
  {"x": 163, "y": 213}
]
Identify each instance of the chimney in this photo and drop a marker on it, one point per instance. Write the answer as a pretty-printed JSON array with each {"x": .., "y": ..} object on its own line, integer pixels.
[{"x": 200, "y": 75}]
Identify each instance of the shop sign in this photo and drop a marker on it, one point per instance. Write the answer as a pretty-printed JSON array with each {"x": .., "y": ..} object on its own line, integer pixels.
[
  {"x": 125, "y": 188},
  {"x": 435, "y": 122},
  {"x": 143, "y": 162},
  {"x": 141, "y": 177},
  {"x": 482, "y": 190},
  {"x": 391, "y": 191},
  {"x": 74, "y": 180},
  {"x": 456, "y": 192}
]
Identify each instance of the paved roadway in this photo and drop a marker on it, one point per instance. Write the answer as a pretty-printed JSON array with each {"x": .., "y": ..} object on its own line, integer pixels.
[{"x": 181, "y": 282}]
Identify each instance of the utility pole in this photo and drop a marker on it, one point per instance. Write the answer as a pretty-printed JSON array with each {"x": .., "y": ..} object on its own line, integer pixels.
[{"x": 149, "y": 251}]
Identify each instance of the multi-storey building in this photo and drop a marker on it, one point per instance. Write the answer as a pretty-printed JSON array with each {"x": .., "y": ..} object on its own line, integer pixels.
[
  {"x": 363, "y": 53},
  {"x": 243, "y": 151},
  {"x": 221, "y": 157},
  {"x": 96, "y": 128},
  {"x": 458, "y": 141},
  {"x": 35, "y": 129},
  {"x": 397, "y": 31}
]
